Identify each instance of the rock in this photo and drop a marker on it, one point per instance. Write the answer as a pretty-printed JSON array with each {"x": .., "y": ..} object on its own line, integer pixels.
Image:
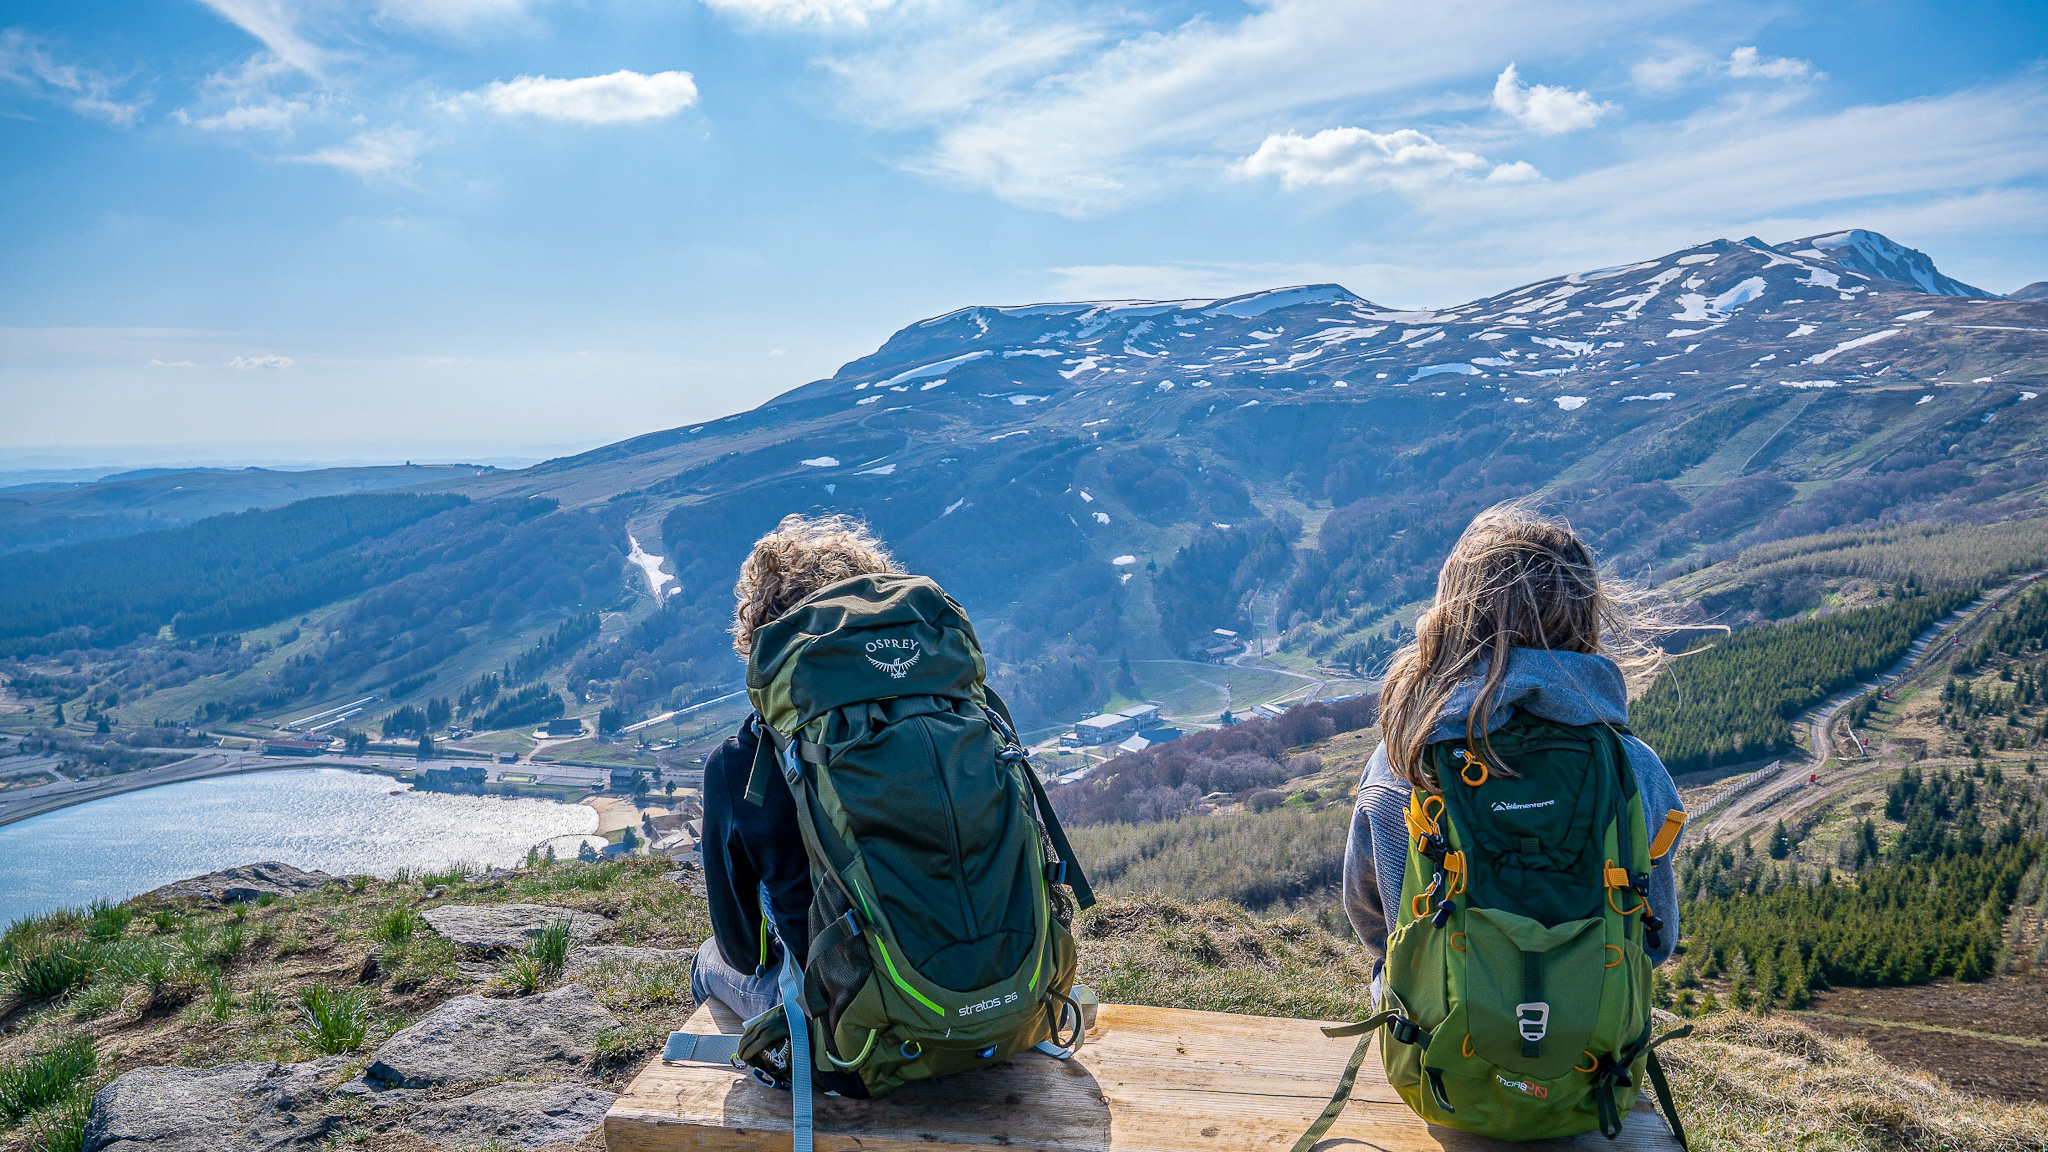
[
  {"x": 595, "y": 956},
  {"x": 248, "y": 882},
  {"x": 226, "y": 1108},
  {"x": 690, "y": 877},
  {"x": 501, "y": 927},
  {"x": 522, "y": 1114},
  {"x": 471, "y": 1039}
]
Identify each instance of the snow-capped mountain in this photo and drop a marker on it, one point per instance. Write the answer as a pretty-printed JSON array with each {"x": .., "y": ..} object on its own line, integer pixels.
[
  {"x": 1818, "y": 310},
  {"x": 1113, "y": 478}
]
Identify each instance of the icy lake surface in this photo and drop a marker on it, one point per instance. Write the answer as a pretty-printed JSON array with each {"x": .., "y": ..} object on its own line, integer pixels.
[{"x": 325, "y": 819}]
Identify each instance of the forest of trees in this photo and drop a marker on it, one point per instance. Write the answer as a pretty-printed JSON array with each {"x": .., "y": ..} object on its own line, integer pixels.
[
  {"x": 522, "y": 706},
  {"x": 1733, "y": 701},
  {"x": 232, "y": 571},
  {"x": 1206, "y": 584},
  {"x": 1931, "y": 915},
  {"x": 1165, "y": 781},
  {"x": 2019, "y": 629}
]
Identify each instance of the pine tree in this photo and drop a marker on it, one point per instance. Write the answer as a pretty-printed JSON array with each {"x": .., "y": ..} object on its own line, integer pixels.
[{"x": 1781, "y": 842}]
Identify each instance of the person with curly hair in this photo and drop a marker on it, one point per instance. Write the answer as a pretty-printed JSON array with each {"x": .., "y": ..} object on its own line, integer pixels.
[{"x": 748, "y": 847}]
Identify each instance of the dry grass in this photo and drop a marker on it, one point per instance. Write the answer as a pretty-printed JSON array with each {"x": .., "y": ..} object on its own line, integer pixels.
[
  {"x": 1765, "y": 1083},
  {"x": 1220, "y": 958}
]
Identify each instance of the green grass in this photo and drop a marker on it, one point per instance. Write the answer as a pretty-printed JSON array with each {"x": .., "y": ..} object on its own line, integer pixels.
[
  {"x": 1190, "y": 691},
  {"x": 336, "y": 1020},
  {"x": 47, "y": 1078},
  {"x": 540, "y": 965}
]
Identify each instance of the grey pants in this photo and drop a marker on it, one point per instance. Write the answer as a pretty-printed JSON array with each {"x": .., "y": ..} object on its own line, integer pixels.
[{"x": 711, "y": 978}]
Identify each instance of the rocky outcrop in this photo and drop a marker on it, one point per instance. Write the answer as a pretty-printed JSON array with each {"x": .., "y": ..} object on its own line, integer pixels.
[
  {"x": 226, "y": 1108},
  {"x": 505, "y": 927},
  {"x": 521, "y": 1114},
  {"x": 248, "y": 882},
  {"x": 609, "y": 956},
  {"x": 473, "y": 1039}
]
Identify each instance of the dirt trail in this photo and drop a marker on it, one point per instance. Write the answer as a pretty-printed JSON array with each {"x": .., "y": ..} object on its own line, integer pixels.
[{"x": 1795, "y": 794}]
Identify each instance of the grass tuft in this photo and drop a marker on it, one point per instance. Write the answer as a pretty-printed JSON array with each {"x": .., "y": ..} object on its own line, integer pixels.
[
  {"x": 396, "y": 926},
  {"x": 336, "y": 1019},
  {"x": 50, "y": 970},
  {"x": 47, "y": 1078}
]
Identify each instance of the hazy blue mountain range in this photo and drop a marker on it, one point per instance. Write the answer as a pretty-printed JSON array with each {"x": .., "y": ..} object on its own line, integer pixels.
[
  {"x": 1103, "y": 480},
  {"x": 43, "y": 514}
]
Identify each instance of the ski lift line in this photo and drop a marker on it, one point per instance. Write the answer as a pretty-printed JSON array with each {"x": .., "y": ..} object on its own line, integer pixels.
[
  {"x": 356, "y": 704},
  {"x": 338, "y": 719},
  {"x": 665, "y": 716}
]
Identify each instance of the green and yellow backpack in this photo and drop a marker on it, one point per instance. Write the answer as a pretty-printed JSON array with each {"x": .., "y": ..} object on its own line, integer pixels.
[{"x": 1515, "y": 1001}]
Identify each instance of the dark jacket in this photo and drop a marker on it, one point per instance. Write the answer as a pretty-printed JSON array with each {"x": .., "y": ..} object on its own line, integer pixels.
[{"x": 747, "y": 845}]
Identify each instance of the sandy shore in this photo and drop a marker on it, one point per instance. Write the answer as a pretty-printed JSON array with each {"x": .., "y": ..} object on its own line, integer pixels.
[{"x": 614, "y": 813}]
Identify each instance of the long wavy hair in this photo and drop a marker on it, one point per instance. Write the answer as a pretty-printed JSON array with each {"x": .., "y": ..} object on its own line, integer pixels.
[
  {"x": 796, "y": 558},
  {"x": 1515, "y": 579}
]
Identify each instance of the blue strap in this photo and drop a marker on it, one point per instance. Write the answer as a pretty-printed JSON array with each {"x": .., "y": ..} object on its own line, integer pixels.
[{"x": 792, "y": 982}]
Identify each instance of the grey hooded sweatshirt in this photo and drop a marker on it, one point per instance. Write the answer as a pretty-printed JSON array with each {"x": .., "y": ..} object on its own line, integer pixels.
[{"x": 1566, "y": 687}]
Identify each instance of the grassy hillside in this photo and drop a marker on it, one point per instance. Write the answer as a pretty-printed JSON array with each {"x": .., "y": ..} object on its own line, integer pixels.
[{"x": 151, "y": 982}]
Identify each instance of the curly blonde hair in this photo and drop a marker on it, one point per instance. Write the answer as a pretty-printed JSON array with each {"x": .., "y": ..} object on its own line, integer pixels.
[
  {"x": 1515, "y": 579},
  {"x": 799, "y": 556}
]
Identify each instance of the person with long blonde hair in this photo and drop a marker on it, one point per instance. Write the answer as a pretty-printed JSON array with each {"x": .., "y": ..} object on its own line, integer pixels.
[{"x": 1521, "y": 620}]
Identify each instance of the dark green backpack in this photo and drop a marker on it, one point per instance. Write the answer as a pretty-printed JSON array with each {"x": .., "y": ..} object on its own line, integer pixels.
[
  {"x": 1515, "y": 1001},
  {"x": 936, "y": 945}
]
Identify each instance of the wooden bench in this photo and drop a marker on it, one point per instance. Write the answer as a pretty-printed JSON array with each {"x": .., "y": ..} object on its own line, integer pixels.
[{"x": 1149, "y": 1080}]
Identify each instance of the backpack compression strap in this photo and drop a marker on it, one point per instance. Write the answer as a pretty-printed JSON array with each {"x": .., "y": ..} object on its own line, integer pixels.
[{"x": 1364, "y": 1030}]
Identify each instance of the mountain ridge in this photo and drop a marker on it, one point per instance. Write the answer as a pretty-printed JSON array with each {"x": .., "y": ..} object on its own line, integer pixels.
[{"x": 1110, "y": 480}]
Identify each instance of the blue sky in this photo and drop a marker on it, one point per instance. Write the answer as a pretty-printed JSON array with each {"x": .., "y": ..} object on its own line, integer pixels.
[{"x": 310, "y": 229}]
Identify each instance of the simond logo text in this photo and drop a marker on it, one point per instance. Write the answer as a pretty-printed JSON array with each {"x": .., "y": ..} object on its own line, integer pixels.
[
  {"x": 985, "y": 1005},
  {"x": 899, "y": 667},
  {"x": 1504, "y": 806}
]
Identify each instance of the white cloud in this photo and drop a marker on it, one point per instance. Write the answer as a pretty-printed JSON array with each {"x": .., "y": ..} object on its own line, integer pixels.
[
  {"x": 803, "y": 11},
  {"x": 449, "y": 15},
  {"x": 610, "y": 99},
  {"x": 1546, "y": 108},
  {"x": 1665, "y": 74},
  {"x": 1405, "y": 160},
  {"x": 1107, "y": 106},
  {"x": 376, "y": 152},
  {"x": 1744, "y": 63},
  {"x": 271, "y": 115},
  {"x": 275, "y": 23},
  {"x": 154, "y": 363},
  {"x": 1662, "y": 74},
  {"x": 259, "y": 361},
  {"x": 24, "y": 61}
]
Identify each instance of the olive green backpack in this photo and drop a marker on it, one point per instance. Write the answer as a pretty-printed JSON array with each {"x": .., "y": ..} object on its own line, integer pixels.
[
  {"x": 937, "y": 941},
  {"x": 1515, "y": 1001}
]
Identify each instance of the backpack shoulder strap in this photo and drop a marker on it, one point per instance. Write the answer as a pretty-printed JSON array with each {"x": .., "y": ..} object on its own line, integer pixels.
[{"x": 1069, "y": 868}]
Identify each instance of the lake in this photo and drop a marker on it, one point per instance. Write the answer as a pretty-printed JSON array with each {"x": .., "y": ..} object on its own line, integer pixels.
[{"x": 325, "y": 819}]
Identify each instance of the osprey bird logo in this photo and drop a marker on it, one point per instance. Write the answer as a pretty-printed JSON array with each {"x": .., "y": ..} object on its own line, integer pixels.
[{"x": 906, "y": 652}]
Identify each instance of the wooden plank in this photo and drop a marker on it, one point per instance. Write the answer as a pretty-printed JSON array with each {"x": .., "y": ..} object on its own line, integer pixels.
[{"x": 1149, "y": 1080}]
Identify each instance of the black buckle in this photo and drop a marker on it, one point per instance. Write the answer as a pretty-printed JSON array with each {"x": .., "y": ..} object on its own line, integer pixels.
[
  {"x": 1056, "y": 872},
  {"x": 1434, "y": 847},
  {"x": 854, "y": 921},
  {"x": 1403, "y": 1030}
]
